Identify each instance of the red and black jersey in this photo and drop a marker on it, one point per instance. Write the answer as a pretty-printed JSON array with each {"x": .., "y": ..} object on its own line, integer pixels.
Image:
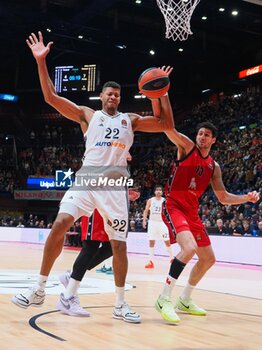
[
  {"x": 189, "y": 179},
  {"x": 93, "y": 228}
]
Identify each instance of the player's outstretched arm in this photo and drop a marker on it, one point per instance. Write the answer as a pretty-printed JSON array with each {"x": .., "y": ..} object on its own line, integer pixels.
[
  {"x": 225, "y": 197},
  {"x": 183, "y": 143},
  {"x": 64, "y": 106}
]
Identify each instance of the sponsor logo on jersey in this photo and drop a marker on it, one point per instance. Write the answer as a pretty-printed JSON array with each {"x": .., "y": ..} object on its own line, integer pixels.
[
  {"x": 102, "y": 119},
  {"x": 110, "y": 144},
  {"x": 199, "y": 170},
  {"x": 210, "y": 165},
  {"x": 192, "y": 184},
  {"x": 124, "y": 123}
]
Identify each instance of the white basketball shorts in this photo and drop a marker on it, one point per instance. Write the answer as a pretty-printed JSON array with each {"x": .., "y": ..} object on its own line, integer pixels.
[
  {"x": 157, "y": 230},
  {"x": 112, "y": 205}
]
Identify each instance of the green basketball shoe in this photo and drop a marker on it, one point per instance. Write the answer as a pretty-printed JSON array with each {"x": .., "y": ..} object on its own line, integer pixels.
[
  {"x": 190, "y": 307},
  {"x": 166, "y": 309}
]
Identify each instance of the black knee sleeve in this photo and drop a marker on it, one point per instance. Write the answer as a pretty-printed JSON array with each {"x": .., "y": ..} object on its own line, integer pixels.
[
  {"x": 84, "y": 258},
  {"x": 176, "y": 268},
  {"x": 103, "y": 253}
]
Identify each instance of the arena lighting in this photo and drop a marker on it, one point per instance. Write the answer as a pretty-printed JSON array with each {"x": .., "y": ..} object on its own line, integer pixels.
[
  {"x": 250, "y": 71},
  {"x": 94, "y": 98},
  {"x": 242, "y": 127},
  {"x": 206, "y": 90},
  {"x": 204, "y": 18},
  {"x": 48, "y": 30},
  {"x": 138, "y": 1},
  {"x": 139, "y": 96},
  {"x": 152, "y": 52},
  {"x": 234, "y": 13},
  {"x": 80, "y": 37},
  {"x": 237, "y": 95},
  {"x": 121, "y": 47},
  {"x": 180, "y": 49},
  {"x": 221, "y": 9}
]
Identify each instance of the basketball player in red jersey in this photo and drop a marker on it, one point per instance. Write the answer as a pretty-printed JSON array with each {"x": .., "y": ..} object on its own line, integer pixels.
[
  {"x": 109, "y": 134},
  {"x": 96, "y": 248},
  {"x": 192, "y": 172}
]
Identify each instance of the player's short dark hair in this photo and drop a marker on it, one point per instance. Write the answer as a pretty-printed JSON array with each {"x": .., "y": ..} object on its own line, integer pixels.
[
  {"x": 112, "y": 84},
  {"x": 158, "y": 186},
  {"x": 208, "y": 125}
]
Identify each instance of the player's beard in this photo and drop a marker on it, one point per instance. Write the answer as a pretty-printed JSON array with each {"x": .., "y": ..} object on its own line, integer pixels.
[
  {"x": 111, "y": 108},
  {"x": 203, "y": 146}
]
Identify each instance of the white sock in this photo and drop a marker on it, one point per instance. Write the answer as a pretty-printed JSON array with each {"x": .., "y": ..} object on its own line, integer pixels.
[
  {"x": 186, "y": 294},
  {"x": 72, "y": 288},
  {"x": 108, "y": 262},
  {"x": 169, "y": 286},
  {"x": 120, "y": 291},
  {"x": 151, "y": 253},
  {"x": 41, "y": 282},
  {"x": 170, "y": 252}
]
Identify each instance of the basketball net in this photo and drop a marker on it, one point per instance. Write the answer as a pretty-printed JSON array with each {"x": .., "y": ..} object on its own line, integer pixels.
[{"x": 177, "y": 14}]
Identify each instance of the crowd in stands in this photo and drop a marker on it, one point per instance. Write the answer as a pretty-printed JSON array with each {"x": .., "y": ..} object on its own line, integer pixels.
[
  {"x": 22, "y": 221},
  {"x": 8, "y": 180},
  {"x": 45, "y": 161},
  {"x": 72, "y": 238},
  {"x": 229, "y": 111},
  {"x": 237, "y": 150}
]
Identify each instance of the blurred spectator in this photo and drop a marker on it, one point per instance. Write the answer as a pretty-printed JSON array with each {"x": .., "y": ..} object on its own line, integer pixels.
[
  {"x": 246, "y": 228},
  {"x": 20, "y": 224},
  {"x": 259, "y": 231},
  {"x": 221, "y": 229},
  {"x": 234, "y": 229},
  {"x": 41, "y": 224},
  {"x": 132, "y": 223}
]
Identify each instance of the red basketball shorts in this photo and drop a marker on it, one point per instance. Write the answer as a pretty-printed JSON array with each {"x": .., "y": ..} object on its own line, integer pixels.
[{"x": 178, "y": 220}]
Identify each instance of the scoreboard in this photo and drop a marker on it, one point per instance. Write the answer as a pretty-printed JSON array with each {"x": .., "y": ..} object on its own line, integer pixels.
[{"x": 75, "y": 78}]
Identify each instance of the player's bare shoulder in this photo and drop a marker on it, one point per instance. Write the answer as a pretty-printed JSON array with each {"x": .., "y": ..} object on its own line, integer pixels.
[
  {"x": 217, "y": 171},
  {"x": 87, "y": 114},
  {"x": 134, "y": 118}
]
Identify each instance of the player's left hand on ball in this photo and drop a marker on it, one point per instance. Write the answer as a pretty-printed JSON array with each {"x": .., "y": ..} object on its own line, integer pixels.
[{"x": 253, "y": 196}]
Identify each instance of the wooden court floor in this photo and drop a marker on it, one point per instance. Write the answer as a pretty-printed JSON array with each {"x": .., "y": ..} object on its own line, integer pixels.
[{"x": 231, "y": 294}]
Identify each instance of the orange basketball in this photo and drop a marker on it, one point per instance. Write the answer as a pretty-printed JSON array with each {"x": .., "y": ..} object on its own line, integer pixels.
[{"x": 153, "y": 83}]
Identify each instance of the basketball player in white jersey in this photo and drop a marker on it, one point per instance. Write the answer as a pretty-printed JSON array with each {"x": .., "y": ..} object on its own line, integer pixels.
[
  {"x": 157, "y": 230},
  {"x": 109, "y": 136}
]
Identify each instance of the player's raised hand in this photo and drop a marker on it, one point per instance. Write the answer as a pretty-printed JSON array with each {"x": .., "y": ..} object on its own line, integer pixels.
[
  {"x": 168, "y": 70},
  {"x": 39, "y": 50},
  {"x": 253, "y": 196}
]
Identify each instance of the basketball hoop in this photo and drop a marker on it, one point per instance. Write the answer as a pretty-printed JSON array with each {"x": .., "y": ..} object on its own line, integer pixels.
[{"x": 177, "y": 14}]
